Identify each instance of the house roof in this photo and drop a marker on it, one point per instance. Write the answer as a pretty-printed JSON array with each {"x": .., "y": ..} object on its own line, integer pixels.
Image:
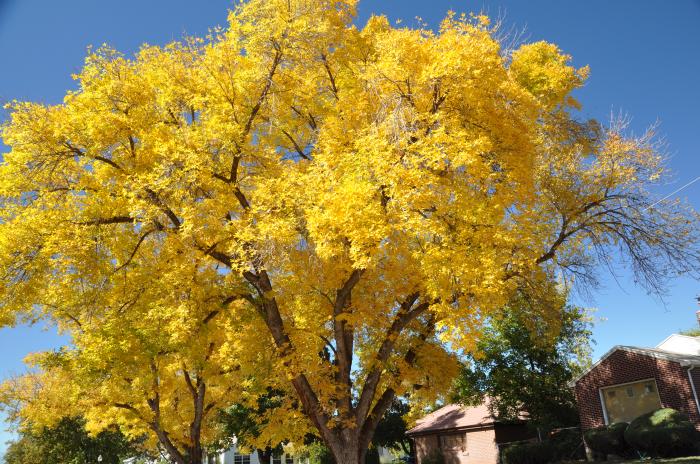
[
  {"x": 683, "y": 344},
  {"x": 454, "y": 416},
  {"x": 682, "y": 359}
]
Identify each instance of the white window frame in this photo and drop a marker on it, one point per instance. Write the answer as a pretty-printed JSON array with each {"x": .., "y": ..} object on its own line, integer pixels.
[
  {"x": 692, "y": 384},
  {"x": 244, "y": 458},
  {"x": 601, "y": 394}
]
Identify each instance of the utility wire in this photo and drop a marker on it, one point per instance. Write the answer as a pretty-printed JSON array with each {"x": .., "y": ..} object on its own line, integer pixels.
[{"x": 674, "y": 192}]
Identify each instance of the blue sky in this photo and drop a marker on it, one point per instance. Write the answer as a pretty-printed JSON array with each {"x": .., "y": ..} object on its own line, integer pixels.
[{"x": 644, "y": 58}]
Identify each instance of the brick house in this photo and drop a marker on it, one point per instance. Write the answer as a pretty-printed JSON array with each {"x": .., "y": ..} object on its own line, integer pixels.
[
  {"x": 630, "y": 381},
  {"x": 464, "y": 435}
]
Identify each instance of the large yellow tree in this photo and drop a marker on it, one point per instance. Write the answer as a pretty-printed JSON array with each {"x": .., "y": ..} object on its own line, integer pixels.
[{"x": 371, "y": 194}]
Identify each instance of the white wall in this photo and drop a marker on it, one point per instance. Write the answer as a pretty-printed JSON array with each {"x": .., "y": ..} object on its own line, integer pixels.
[{"x": 681, "y": 344}]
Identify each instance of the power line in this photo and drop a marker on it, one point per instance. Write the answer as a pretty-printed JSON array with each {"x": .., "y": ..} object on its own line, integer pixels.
[{"x": 674, "y": 192}]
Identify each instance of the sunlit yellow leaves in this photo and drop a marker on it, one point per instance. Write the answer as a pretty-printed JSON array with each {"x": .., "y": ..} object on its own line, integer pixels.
[
  {"x": 185, "y": 204},
  {"x": 545, "y": 72}
]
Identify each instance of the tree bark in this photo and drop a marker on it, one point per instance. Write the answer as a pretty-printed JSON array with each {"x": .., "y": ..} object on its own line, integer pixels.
[
  {"x": 265, "y": 456},
  {"x": 347, "y": 451},
  {"x": 196, "y": 458}
]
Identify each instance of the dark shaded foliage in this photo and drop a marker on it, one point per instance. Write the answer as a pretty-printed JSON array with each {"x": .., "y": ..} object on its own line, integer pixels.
[
  {"x": 241, "y": 421},
  {"x": 391, "y": 431},
  {"x": 567, "y": 444},
  {"x": 69, "y": 443},
  {"x": 609, "y": 439},
  {"x": 528, "y": 453},
  {"x": 663, "y": 433},
  {"x": 533, "y": 347}
]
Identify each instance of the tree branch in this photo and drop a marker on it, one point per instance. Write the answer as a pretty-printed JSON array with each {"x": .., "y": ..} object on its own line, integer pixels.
[
  {"x": 107, "y": 221},
  {"x": 370, "y": 423},
  {"x": 344, "y": 340},
  {"x": 402, "y": 318}
]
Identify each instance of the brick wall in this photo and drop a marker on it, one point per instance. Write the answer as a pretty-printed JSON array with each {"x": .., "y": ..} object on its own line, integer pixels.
[
  {"x": 481, "y": 448},
  {"x": 624, "y": 366},
  {"x": 425, "y": 445}
]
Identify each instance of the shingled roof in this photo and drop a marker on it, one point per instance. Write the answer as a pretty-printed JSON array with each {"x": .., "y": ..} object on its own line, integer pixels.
[{"x": 454, "y": 417}]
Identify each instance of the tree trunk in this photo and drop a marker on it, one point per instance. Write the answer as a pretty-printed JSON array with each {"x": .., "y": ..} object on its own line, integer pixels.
[
  {"x": 347, "y": 448},
  {"x": 196, "y": 458},
  {"x": 348, "y": 455},
  {"x": 265, "y": 456}
]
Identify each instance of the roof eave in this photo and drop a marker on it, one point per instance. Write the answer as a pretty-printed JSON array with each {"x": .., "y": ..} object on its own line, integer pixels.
[
  {"x": 642, "y": 351},
  {"x": 412, "y": 433}
]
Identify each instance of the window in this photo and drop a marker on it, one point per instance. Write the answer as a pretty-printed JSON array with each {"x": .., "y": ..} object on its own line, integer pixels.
[
  {"x": 623, "y": 403},
  {"x": 241, "y": 458},
  {"x": 453, "y": 442},
  {"x": 278, "y": 459}
]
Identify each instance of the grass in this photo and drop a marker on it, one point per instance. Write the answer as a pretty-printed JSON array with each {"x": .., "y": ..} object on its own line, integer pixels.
[{"x": 690, "y": 460}]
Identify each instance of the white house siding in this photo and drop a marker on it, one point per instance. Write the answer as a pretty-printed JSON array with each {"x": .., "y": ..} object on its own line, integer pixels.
[
  {"x": 681, "y": 344},
  {"x": 230, "y": 457}
]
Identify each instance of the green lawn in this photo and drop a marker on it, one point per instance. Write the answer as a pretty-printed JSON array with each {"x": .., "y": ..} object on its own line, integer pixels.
[{"x": 692, "y": 460}]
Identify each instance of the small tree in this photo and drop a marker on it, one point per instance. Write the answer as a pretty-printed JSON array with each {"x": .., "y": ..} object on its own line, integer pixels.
[
  {"x": 68, "y": 443},
  {"x": 157, "y": 375},
  {"x": 694, "y": 332},
  {"x": 691, "y": 332},
  {"x": 391, "y": 431},
  {"x": 246, "y": 422},
  {"x": 525, "y": 359}
]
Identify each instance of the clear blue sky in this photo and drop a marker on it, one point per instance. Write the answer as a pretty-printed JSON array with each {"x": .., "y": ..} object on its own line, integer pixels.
[{"x": 644, "y": 58}]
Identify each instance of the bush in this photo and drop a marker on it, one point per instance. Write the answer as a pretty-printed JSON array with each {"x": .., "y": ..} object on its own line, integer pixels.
[
  {"x": 372, "y": 456},
  {"x": 567, "y": 444},
  {"x": 320, "y": 454},
  {"x": 435, "y": 457},
  {"x": 528, "y": 453},
  {"x": 663, "y": 433},
  {"x": 608, "y": 439}
]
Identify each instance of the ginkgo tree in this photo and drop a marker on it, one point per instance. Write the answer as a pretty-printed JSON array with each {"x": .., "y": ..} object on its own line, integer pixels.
[{"x": 372, "y": 194}]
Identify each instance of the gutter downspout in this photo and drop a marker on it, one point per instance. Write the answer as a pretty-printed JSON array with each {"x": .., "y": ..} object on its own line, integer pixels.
[
  {"x": 692, "y": 385},
  {"x": 602, "y": 406}
]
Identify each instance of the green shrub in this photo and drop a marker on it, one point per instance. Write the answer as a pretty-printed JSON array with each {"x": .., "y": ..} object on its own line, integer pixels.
[
  {"x": 435, "y": 457},
  {"x": 320, "y": 454},
  {"x": 567, "y": 444},
  {"x": 528, "y": 453},
  {"x": 372, "y": 456},
  {"x": 663, "y": 433},
  {"x": 608, "y": 439}
]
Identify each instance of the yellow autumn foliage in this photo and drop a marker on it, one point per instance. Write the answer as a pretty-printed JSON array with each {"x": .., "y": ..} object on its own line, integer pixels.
[{"x": 370, "y": 195}]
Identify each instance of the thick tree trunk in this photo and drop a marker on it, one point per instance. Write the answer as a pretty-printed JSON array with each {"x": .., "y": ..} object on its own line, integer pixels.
[
  {"x": 348, "y": 454},
  {"x": 347, "y": 447},
  {"x": 195, "y": 458}
]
